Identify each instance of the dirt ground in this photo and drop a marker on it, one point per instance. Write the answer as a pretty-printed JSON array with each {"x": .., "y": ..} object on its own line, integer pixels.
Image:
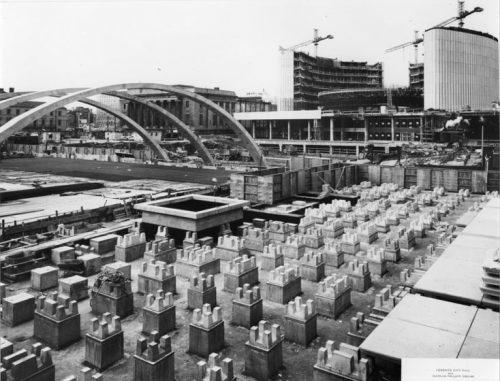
[
  {"x": 298, "y": 361},
  {"x": 110, "y": 171}
]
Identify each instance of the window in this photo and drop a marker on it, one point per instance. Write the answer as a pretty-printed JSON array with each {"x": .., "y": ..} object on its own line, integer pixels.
[
  {"x": 59, "y": 123},
  {"x": 18, "y": 111},
  {"x": 187, "y": 103},
  {"x": 200, "y": 119},
  {"x": 59, "y": 113}
]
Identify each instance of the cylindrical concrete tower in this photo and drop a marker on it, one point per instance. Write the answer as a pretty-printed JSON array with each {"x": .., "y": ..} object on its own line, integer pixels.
[{"x": 460, "y": 69}]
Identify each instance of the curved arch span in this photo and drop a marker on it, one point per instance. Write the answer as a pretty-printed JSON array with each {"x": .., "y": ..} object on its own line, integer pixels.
[
  {"x": 185, "y": 131},
  {"x": 12, "y": 101},
  {"x": 18, "y": 123},
  {"x": 133, "y": 125}
]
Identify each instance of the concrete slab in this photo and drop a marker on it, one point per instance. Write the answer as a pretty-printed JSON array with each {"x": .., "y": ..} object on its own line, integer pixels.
[
  {"x": 434, "y": 313},
  {"x": 486, "y": 326},
  {"x": 456, "y": 281},
  {"x": 479, "y": 349},
  {"x": 397, "y": 339}
]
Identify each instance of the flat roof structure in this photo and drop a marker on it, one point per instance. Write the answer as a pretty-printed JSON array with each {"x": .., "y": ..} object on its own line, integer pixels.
[
  {"x": 457, "y": 275},
  {"x": 192, "y": 212},
  {"x": 422, "y": 327}
]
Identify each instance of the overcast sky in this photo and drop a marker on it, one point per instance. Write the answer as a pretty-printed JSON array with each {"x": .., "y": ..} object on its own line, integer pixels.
[{"x": 232, "y": 44}]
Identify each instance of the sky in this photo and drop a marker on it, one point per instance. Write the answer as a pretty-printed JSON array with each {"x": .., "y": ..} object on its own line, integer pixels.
[{"x": 231, "y": 44}]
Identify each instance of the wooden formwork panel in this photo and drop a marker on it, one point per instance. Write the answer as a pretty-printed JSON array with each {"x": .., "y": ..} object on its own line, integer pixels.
[
  {"x": 374, "y": 174},
  {"x": 437, "y": 179},
  {"x": 398, "y": 176},
  {"x": 479, "y": 181},
  {"x": 362, "y": 174},
  {"x": 410, "y": 177},
  {"x": 386, "y": 174},
  {"x": 424, "y": 178},
  {"x": 450, "y": 179}
]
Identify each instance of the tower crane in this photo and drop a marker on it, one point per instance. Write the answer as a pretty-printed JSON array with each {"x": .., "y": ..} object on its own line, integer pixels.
[
  {"x": 462, "y": 14},
  {"x": 415, "y": 43},
  {"x": 316, "y": 40}
]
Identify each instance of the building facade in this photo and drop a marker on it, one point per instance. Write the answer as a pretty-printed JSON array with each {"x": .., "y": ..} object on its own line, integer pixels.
[
  {"x": 201, "y": 119},
  {"x": 303, "y": 77},
  {"x": 416, "y": 73},
  {"x": 54, "y": 121},
  {"x": 460, "y": 69}
]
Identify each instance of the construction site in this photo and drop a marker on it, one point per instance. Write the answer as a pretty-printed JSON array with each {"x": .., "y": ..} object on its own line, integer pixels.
[{"x": 337, "y": 235}]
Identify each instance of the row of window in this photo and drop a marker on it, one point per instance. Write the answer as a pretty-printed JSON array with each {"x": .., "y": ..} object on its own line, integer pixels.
[{"x": 17, "y": 111}]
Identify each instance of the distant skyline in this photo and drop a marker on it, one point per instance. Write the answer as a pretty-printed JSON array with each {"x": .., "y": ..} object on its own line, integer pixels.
[{"x": 231, "y": 44}]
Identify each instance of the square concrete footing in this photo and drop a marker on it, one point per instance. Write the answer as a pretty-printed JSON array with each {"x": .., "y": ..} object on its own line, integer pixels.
[
  {"x": 124, "y": 268},
  {"x": 263, "y": 364},
  {"x": 377, "y": 268},
  {"x": 18, "y": 309},
  {"x": 283, "y": 293},
  {"x": 104, "y": 244},
  {"x": 100, "y": 354},
  {"x": 121, "y": 305},
  {"x": 197, "y": 298},
  {"x": 333, "y": 306},
  {"x": 159, "y": 321},
  {"x": 62, "y": 253},
  {"x": 264, "y": 352},
  {"x": 269, "y": 263},
  {"x": 233, "y": 281},
  {"x": 154, "y": 361},
  {"x": 247, "y": 314},
  {"x": 44, "y": 278},
  {"x": 350, "y": 248},
  {"x": 148, "y": 285},
  {"x": 203, "y": 341},
  {"x": 334, "y": 259},
  {"x": 6, "y": 348},
  {"x": 75, "y": 287},
  {"x": 392, "y": 255},
  {"x": 187, "y": 270},
  {"x": 130, "y": 253},
  {"x": 313, "y": 273},
  {"x": 57, "y": 334},
  {"x": 92, "y": 263},
  {"x": 361, "y": 283},
  {"x": 301, "y": 331}
]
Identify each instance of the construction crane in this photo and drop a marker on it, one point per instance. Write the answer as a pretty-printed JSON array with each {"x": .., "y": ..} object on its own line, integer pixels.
[
  {"x": 461, "y": 15},
  {"x": 415, "y": 43},
  {"x": 316, "y": 40}
]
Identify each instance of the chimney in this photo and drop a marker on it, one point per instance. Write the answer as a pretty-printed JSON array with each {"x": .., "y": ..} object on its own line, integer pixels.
[{"x": 11, "y": 89}]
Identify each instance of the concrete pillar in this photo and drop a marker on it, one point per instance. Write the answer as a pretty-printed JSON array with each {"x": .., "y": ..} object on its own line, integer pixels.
[
  {"x": 304, "y": 149},
  {"x": 270, "y": 130},
  {"x": 331, "y": 129},
  {"x": 308, "y": 130},
  {"x": 366, "y": 129},
  {"x": 331, "y": 150},
  {"x": 392, "y": 129},
  {"x": 421, "y": 129},
  {"x": 341, "y": 133},
  {"x": 357, "y": 150},
  {"x": 289, "y": 127},
  {"x": 253, "y": 129},
  {"x": 281, "y": 147}
]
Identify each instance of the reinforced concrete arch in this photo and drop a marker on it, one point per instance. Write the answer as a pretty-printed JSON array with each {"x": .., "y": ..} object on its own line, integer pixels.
[
  {"x": 12, "y": 101},
  {"x": 19, "y": 122},
  {"x": 133, "y": 125},
  {"x": 184, "y": 129}
]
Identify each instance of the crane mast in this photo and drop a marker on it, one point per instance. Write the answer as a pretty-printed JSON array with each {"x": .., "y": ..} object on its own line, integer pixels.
[{"x": 316, "y": 40}]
